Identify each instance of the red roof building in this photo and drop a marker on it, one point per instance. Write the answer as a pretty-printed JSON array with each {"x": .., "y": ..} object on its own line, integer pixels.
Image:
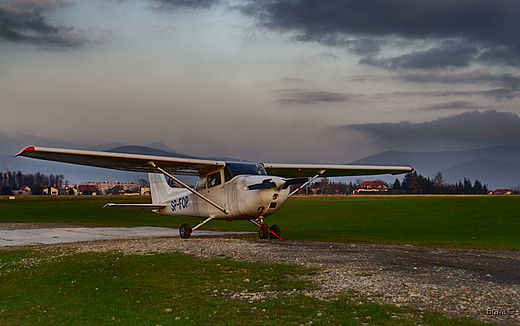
[
  {"x": 87, "y": 190},
  {"x": 502, "y": 192},
  {"x": 373, "y": 186}
]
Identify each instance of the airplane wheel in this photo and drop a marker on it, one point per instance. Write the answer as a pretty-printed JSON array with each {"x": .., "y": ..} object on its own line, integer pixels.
[
  {"x": 276, "y": 229},
  {"x": 263, "y": 232},
  {"x": 185, "y": 231}
]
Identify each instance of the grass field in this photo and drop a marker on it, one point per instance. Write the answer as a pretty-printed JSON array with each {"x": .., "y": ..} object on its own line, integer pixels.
[
  {"x": 53, "y": 287},
  {"x": 479, "y": 222}
]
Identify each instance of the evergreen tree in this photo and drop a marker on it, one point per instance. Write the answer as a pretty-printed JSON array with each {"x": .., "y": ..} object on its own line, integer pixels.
[{"x": 396, "y": 185}]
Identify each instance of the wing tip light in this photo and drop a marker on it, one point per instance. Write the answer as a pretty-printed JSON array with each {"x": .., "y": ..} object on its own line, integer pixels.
[
  {"x": 25, "y": 151},
  {"x": 409, "y": 169}
]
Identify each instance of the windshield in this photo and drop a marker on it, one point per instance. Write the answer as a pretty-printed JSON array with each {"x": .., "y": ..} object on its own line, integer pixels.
[{"x": 233, "y": 169}]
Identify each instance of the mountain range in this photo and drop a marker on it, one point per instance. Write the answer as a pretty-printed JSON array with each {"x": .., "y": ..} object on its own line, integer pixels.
[{"x": 497, "y": 167}]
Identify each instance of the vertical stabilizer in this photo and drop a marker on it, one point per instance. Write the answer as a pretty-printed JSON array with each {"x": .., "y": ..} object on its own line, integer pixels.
[{"x": 160, "y": 189}]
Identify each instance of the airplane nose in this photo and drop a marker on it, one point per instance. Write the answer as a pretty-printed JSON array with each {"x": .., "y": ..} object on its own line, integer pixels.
[{"x": 277, "y": 183}]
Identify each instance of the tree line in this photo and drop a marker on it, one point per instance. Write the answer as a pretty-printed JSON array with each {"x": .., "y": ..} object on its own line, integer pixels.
[
  {"x": 11, "y": 181},
  {"x": 412, "y": 183},
  {"x": 417, "y": 184}
]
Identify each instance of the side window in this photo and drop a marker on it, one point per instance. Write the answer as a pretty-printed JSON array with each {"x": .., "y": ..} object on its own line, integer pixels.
[
  {"x": 201, "y": 184},
  {"x": 214, "y": 179}
]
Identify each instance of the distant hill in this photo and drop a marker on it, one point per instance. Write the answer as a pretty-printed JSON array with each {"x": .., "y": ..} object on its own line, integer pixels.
[{"x": 498, "y": 167}]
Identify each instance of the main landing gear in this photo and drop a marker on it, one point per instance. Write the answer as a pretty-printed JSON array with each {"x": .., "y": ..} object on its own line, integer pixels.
[
  {"x": 264, "y": 231},
  {"x": 185, "y": 231}
]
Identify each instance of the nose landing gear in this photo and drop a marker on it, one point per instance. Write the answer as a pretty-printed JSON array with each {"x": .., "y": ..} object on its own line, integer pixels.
[{"x": 264, "y": 231}]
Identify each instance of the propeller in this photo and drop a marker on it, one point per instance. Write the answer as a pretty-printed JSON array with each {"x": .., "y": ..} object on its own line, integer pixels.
[
  {"x": 268, "y": 184},
  {"x": 264, "y": 185},
  {"x": 294, "y": 181}
]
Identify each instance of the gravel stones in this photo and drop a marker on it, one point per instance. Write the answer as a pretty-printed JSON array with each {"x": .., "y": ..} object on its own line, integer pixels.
[{"x": 476, "y": 283}]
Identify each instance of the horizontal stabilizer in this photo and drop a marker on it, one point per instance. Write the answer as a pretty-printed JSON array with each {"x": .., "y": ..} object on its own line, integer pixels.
[{"x": 137, "y": 207}]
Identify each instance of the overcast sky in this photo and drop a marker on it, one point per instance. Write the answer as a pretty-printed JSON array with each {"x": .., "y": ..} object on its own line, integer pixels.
[{"x": 271, "y": 80}]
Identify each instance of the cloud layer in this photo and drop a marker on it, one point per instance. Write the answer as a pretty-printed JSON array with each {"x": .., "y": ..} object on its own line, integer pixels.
[
  {"x": 437, "y": 34},
  {"x": 299, "y": 97},
  {"x": 183, "y": 4},
  {"x": 466, "y": 130},
  {"x": 27, "y": 22}
]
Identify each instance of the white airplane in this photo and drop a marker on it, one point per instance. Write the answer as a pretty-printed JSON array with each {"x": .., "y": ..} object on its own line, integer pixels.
[{"x": 225, "y": 191}]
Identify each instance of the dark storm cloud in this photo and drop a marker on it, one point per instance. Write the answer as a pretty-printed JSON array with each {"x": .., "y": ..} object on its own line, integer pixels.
[
  {"x": 469, "y": 128},
  {"x": 26, "y": 22},
  {"x": 508, "y": 85},
  {"x": 497, "y": 94},
  {"x": 457, "y": 32},
  {"x": 447, "y": 54},
  {"x": 474, "y": 77},
  {"x": 505, "y": 86},
  {"x": 454, "y": 105},
  {"x": 312, "y": 97},
  {"x": 183, "y": 4}
]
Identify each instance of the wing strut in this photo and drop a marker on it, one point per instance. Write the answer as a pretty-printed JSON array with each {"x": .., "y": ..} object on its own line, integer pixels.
[
  {"x": 223, "y": 210},
  {"x": 203, "y": 222},
  {"x": 306, "y": 183}
]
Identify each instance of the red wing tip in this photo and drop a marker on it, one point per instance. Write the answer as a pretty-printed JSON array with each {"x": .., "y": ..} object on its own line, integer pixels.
[
  {"x": 27, "y": 150},
  {"x": 411, "y": 167}
]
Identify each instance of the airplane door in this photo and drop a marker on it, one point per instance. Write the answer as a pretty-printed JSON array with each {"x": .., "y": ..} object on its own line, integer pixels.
[{"x": 216, "y": 191}]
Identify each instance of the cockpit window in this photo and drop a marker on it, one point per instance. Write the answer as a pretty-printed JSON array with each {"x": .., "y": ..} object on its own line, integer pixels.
[
  {"x": 233, "y": 169},
  {"x": 214, "y": 179}
]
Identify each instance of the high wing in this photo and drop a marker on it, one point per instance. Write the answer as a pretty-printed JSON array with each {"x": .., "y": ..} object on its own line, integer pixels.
[
  {"x": 197, "y": 167},
  {"x": 327, "y": 170},
  {"x": 125, "y": 162}
]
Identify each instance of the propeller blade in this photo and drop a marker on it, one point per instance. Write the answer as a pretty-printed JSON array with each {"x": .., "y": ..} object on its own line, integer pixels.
[
  {"x": 263, "y": 185},
  {"x": 295, "y": 181}
]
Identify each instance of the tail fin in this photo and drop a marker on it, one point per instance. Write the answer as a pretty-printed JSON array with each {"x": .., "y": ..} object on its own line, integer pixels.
[{"x": 160, "y": 189}]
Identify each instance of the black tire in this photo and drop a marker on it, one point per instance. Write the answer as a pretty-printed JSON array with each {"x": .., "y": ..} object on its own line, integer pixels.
[
  {"x": 185, "y": 231},
  {"x": 276, "y": 229},
  {"x": 263, "y": 231}
]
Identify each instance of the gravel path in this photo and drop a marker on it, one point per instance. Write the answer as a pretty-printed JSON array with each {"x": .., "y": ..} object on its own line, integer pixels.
[
  {"x": 476, "y": 283},
  {"x": 480, "y": 284}
]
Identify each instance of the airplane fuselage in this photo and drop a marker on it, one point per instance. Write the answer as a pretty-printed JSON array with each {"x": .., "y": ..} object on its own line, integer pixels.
[
  {"x": 238, "y": 191},
  {"x": 234, "y": 196}
]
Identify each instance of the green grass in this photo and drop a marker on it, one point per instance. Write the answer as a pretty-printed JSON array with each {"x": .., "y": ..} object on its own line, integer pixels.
[
  {"x": 479, "y": 222},
  {"x": 113, "y": 289}
]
